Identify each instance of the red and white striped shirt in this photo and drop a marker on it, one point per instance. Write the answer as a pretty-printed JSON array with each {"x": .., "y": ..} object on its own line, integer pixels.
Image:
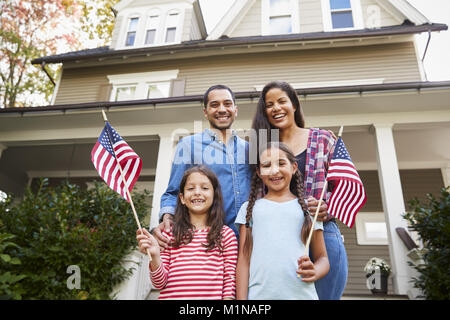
[{"x": 191, "y": 272}]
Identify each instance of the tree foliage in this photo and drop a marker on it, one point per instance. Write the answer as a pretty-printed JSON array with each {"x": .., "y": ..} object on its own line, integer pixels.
[
  {"x": 53, "y": 228},
  {"x": 32, "y": 29},
  {"x": 432, "y": 222},
  {"x": 97, "y": 19}
]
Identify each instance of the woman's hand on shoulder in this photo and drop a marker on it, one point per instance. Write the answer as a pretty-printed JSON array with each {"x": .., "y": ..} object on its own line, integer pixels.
[{"x": 312, "y": 207}]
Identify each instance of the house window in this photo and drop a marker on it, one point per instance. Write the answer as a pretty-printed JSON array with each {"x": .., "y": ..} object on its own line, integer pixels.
[
  {"x": 142, "y": 85},
  {"x": 152, "y": 27},
  {"x": 158, "y": 90},
  {"x": 131, "y": 34},
  {"x": 279, "y": 17},
  {"x": 124, "y": 93},
  {"x": 342, "y": 15},
  {"x": 371, "y": 228},
  {"x": 171, "y": 27}
]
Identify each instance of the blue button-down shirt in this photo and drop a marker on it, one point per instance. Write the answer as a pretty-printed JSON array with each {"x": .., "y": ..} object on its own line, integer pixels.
[{"x": 229, "y": 163}]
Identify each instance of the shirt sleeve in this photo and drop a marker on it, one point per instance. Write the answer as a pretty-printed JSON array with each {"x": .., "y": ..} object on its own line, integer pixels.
[
  {"x": 240, "y": 218},
  {"x": 159, "y": 276},
  {"x": 182, "y": 161},
  {"x": 230, "y": 252}
]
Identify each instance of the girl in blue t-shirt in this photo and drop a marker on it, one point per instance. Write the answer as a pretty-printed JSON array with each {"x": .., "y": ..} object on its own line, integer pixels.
[{"x": 273, "y": 230}]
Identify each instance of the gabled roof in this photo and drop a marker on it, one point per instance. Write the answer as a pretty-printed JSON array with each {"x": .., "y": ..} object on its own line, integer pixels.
[{"x": 240, "y": 8}]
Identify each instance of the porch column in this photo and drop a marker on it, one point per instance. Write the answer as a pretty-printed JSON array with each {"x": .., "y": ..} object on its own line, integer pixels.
[
  {"x": 393, "y": 205},
  {"x": 2, "y": 148},
  {"x": 163, "y": 167},
  {"x": 446, "y": 175}
]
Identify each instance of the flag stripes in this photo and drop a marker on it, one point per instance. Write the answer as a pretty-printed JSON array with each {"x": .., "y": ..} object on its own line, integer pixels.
[
  {"x": 110, "y": 151},
  {"x": 349, "y": 195}
]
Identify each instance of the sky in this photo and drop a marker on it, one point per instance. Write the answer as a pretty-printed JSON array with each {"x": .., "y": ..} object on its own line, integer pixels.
[{"x": 437, "y": 59}]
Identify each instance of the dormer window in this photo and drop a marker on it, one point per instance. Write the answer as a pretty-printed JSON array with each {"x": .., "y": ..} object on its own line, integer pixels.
[
  {"x": 152, "y": 27},
  {"x": 342, "y": 15},
  {"x": 171, "y": 26},
  {"x": 131, "y": 34},
  {"x": 280, "y": 17}
]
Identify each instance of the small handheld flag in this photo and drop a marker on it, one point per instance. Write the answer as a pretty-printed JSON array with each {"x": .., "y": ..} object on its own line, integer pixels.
[
  {"x": 109, "y": 152},
  {"x": 118, "y": 165},
  {"x": 349, "y": 194}
]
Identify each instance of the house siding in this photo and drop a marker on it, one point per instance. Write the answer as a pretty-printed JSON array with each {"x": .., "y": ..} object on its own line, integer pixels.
[
  {"x": 393, "y": 62},
  {"x": 415, "y": 183},
  {"x": 311, "y": 18}
]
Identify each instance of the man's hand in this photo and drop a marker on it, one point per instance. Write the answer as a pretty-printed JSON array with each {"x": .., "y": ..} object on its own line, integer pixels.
[
  {"x": 166, "y": 224},
  {"x": 312, "y": 207}
]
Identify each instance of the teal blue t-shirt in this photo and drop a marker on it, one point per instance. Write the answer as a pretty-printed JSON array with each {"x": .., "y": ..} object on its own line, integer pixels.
[{"x": 277, "y": 245}]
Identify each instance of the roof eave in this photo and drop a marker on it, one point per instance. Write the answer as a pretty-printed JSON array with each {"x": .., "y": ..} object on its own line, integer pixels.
[
  {"x": 200, "y": 44},
  {"x": 239, "y": 95}
]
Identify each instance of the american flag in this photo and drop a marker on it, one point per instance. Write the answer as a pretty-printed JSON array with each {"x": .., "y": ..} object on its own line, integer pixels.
[
  {"x": 349, "y": 195},
  {"x": 104, "y": 160}
]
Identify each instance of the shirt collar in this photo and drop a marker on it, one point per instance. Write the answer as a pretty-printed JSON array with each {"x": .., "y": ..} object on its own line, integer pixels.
[{"x": 213, "y": 135}]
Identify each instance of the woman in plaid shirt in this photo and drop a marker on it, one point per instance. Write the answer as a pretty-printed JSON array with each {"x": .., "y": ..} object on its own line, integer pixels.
[{"x": 279, "y": 108}]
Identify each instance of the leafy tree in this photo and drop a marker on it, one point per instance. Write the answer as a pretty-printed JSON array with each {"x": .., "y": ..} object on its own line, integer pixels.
[
  {"x": 97, "y": 20},
  {"x": 32, "y": 29}
]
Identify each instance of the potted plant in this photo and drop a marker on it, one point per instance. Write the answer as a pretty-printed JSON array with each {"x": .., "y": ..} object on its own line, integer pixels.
[{"x": 377, "y": 273}]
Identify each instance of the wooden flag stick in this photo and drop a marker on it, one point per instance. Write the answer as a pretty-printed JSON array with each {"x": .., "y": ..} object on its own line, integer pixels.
[
  {"x": 318, "y": 206},
  {"x": 126, "y": 187}
]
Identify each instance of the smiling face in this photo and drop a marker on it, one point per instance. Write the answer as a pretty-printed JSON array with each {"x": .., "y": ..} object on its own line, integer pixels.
[
  {"x": 198, "y": 193},
  {"x": 276, "y": 170},
  {"x": 279, "y": 109},
  {"x": 220, "y": 109}
]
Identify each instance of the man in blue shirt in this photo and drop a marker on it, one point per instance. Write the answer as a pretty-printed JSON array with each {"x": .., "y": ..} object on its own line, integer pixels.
[{"x": 220, "y": 149}]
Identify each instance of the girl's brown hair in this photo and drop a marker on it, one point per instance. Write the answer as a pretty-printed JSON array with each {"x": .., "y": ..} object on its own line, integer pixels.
[
  {"x": 296, "y": 187},
  {"x": 183, "y": 230}
]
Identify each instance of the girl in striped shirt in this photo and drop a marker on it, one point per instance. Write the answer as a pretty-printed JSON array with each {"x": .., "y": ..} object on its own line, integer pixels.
[{"x": 200, "y": 262}]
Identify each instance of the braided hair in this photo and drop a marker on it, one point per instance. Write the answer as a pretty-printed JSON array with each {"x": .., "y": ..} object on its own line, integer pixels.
[{"x": 256, "y": 190}]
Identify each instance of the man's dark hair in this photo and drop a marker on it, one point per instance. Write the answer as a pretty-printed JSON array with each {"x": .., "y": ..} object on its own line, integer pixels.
[{"x": 216, "y": 87}]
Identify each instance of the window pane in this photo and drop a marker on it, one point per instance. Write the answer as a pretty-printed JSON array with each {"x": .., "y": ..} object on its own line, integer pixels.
[
  {"x": 340, "y": 4},
  {"x": 131, "y": 36},
  {"x": 342, "y": 19},
  {"x": 280, "y": 7},
  {"x": 170, "y": 34},
  {"x": 133, "y": 24},
  {"x": 158, "y": 90},
  {"x": 280, "y": 25},
  {"x": 125, "y": 93},
  {"x": 376, "y": 230},
  {"x": 150, "y": 37}
]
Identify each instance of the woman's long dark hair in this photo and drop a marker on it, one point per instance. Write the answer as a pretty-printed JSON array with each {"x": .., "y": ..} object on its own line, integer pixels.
[
  {"x": 183, "y": 230},
  {"x": 296, "y": 187}
]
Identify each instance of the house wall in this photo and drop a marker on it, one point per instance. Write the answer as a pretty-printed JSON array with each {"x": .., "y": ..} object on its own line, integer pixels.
[
  {"x": 392, "y": 62},
  {"x": 415, "y": 183},
  {"x": 311, "y": 17}
]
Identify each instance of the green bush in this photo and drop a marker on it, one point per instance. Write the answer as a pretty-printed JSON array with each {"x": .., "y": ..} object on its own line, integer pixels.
[
  {"x": 9, "y": 281},
  {"x": 66, "y": 225},
  {"x": 432, "y": 223}
]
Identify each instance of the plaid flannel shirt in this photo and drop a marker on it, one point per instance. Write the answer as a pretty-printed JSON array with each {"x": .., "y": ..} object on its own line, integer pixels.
[{"x": 318, "y": 155}]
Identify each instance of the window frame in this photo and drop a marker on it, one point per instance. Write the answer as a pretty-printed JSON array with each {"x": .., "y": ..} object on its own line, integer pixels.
[
  {"x": 128, "y": 30},
  {"x": 141, "y": 80},
  {"x": 152, "y": 13},
  {"x": 266, "y": 15},
  {"x": 361, "y": 234},
  {"x": 357, "y": 16},
  {"x": 168, "y": 26}
]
